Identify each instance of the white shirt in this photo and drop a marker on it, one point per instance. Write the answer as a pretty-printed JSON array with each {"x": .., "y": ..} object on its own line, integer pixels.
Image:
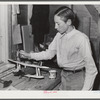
[{"x": 73, "y": 52}]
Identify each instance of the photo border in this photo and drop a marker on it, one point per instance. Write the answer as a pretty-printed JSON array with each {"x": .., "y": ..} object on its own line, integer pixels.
[{"x": 39, "y": 95}]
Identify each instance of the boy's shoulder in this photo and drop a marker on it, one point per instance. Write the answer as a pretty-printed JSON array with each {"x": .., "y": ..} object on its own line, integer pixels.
[{"x": 81, "y": 34}]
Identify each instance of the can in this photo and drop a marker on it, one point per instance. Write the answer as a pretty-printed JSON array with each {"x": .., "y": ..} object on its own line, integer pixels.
[{"x": 52, "y": 74}]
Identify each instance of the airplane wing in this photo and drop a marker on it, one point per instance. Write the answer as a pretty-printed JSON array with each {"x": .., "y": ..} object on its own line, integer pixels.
[{"x": 30, "y": 65}]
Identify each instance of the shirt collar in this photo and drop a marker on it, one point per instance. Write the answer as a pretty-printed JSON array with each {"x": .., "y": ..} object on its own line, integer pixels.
[{"x": 69, "y": 34}]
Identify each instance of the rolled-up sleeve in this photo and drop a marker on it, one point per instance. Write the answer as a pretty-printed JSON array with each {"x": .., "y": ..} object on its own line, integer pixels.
[
  {"x": 91, "y": 70},
  {"x": 44, "y": 55}
]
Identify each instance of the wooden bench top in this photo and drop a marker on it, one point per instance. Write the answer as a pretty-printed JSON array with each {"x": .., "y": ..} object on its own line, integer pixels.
[{"x": 34, "y": 84}]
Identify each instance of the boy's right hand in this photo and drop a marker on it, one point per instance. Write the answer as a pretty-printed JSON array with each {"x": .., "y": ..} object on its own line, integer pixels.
[{"x": 23, "y": 54}]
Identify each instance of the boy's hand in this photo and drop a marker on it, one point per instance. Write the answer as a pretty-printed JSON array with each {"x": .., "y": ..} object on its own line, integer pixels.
[{"x": 23, "y": 54}]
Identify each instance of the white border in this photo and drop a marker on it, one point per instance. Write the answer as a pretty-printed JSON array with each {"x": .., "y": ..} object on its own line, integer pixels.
[
  {"x": 53, "y": 2},
  {"x": 51, "y": 94}
]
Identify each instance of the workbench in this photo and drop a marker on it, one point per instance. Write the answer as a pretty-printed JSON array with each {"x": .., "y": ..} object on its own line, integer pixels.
[{"x": 25, "y": 83}]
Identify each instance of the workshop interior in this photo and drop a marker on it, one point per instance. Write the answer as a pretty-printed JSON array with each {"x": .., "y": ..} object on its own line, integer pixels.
[{"x": 17, "y": 33}]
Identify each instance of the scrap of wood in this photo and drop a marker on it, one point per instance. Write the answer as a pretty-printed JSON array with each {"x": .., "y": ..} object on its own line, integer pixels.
[{"x": 30, "y": 65}]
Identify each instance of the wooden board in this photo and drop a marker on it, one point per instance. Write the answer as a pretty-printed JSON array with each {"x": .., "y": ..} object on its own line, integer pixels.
[
  {"x": 40, "y": 84},
  {"x": 15, "y": 79},
  {"x": 34, "y": 84},
  {"x": 27, "y": 39},
  {"x": 17, "y": 35},
  {"x": 47, "y": 83}
]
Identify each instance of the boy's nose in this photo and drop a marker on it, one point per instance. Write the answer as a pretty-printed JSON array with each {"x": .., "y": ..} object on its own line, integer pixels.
[{"x": 55, "y": 26}]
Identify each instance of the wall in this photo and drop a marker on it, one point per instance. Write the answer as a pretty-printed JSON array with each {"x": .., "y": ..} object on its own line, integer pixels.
[
  {"x": 82, "y": 12},
  {"x": 4, "y": 32}
]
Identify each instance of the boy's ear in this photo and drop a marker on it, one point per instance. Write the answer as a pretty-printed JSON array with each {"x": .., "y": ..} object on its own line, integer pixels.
[{"x": 69, "y": 22}]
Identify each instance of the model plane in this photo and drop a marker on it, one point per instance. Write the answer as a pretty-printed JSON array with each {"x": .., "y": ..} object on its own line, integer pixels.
[{"x": 37, "y": 67}]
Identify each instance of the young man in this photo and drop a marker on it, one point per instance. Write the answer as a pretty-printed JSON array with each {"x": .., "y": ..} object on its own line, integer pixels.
[{"x": 73, "y": 52}]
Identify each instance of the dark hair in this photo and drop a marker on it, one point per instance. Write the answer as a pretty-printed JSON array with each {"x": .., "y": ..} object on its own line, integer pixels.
[{"x": 65, "y": 13}]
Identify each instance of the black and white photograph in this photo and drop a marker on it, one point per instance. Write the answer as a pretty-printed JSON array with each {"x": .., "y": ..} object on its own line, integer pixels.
[{"x": 50, "y": 48}]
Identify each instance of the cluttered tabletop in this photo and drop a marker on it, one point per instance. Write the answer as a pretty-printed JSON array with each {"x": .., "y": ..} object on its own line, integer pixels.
[{"x": 33, "y": 83}]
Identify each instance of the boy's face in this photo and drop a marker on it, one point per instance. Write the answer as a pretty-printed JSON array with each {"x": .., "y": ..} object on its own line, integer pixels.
[{"x": 60, "y": 25}]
